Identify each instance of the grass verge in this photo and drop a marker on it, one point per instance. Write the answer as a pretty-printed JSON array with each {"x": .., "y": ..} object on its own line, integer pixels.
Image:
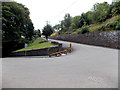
[{"x": 37, "y": 45}]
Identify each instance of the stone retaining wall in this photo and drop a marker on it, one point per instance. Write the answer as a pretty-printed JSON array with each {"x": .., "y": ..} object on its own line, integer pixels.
[{"x": 107, "y": 39}]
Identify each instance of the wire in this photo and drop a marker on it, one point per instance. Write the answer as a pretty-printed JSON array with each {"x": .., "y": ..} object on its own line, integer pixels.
[{"x": 72, "y": 4}]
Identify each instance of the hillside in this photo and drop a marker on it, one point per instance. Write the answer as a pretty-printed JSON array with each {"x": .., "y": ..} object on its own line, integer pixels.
[
  {"x": 110, "y": 24},
  {"x": 102, "y": 17}
]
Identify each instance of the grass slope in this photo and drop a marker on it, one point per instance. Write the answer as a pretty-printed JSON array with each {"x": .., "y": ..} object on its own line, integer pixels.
[
  {"x": 37, "y": 45},
  {"x": 94, "y": 27}
]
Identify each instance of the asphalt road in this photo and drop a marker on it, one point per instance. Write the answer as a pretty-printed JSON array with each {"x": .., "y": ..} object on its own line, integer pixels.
[
  {"x": 86, "y": 67},
  {"x": 0, "y": 73}
]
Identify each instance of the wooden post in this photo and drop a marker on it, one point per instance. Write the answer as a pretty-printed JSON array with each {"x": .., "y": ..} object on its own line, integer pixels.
[{"x": 70, "y": 47}]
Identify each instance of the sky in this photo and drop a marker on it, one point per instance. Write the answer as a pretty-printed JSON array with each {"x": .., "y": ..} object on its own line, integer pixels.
[{"x": 54, "y": 11}]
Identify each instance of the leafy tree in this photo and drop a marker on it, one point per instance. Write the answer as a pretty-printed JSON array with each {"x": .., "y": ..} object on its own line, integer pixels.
[
  {"x": 57, "y": 27},
  {"x": 47, "y": 31},
  {"x": 90, "y": 19},
  {"x": 16, "y": 24},
  {"x": 83, "y": 19},
  {"x": 101, "y": 11},
  {"x": 37, "y": 33},
  {"x": 115, "y": 8},
  {"x": 67, "y": 21},
  {"x": 65, "y": 24},
  {"x": 75, "y": 22}
]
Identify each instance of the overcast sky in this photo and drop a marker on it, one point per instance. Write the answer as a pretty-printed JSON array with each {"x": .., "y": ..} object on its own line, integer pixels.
[{"x": 54, "y": 10}]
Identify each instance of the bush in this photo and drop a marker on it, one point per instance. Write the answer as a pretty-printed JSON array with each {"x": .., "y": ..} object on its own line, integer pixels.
[
  {"x": 83, "y": 30},
  {"x": 117, "y": 26},
  {"x": 102, "y": 28},
  {"x": 112, "y": 24}
]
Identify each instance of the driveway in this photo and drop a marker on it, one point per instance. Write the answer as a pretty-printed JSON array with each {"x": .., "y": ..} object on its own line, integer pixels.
[{"x": 86, "y": 67}]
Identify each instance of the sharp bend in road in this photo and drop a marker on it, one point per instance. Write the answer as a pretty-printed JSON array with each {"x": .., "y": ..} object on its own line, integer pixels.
[{"x": 86, "y": 67}]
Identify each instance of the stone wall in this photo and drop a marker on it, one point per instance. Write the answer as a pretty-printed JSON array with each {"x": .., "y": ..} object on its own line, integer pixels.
[{"x": 106, "y": 39}]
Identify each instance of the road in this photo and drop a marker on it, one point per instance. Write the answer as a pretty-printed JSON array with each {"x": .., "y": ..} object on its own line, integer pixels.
[{"x": 86, "y": 67}]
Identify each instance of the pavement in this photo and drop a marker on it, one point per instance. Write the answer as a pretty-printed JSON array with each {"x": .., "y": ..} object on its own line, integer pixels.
[{"x": 86, "y": 67}]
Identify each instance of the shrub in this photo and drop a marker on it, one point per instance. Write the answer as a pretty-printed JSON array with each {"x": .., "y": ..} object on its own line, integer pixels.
[
  {"x": 102, "y": 28},
  {"x": 117, "y": 26},
  {"x": 84, "y": 30},
  {"x": 112, "y": 24}
]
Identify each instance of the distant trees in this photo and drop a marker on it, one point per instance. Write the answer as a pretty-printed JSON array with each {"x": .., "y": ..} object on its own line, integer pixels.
[
  {"x": 67, "y": 21},
  {"x": 17, "y": 27},
  {"x": 115, "y": 8},
  {"x": 47, "y": 31},
  {"x": 99, "y": 13},
  {"x": 37, "y": 33},
  {"x": 75, "y": 22},
  {"x": 57, "y": 27},
  {"x": 65, "y": 24}
]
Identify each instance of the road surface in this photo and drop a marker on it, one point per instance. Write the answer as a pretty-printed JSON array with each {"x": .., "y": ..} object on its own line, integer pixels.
[{"x": 86, "y": 67}]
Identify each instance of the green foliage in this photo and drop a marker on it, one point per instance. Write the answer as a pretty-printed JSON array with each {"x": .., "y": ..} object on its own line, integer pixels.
[
  {"x": 16, "y": 24},
  {"x": 37, "y": 33},
  {"x": 112, "y": 25},
  {"x": 47, "y": 30},
  {"x": 83, "y": 30},
  {"x": 101, "y": 11},
  {"x": 115, "y": 8},
  {"x": 90, "y": 19},
  {"x": 98, "y": 19},
  {"x": 57, "y": 27},
  {"x": 102, "y": 28},
  {"x": 67, "y": 21}
]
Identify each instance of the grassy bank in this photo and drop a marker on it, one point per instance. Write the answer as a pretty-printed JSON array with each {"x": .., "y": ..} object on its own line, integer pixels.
[{"x": 37, "y": 45}]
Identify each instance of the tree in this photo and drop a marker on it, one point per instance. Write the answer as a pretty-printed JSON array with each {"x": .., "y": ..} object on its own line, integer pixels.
[
  {"x": 57, "y": 27},
  {"x": 16, "y": 24},
  {"x": 37, "y": 33},
  {"x": 67, "y": 21},
  {"x": 47, "y": 30},
  {"x": 82, "y": 20},
  {"x": 101, "y": 11},
  {"x": 115, "y": 8},
  {"x": 90, "y": 19},
  {"x": 75, "y": 22}
]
